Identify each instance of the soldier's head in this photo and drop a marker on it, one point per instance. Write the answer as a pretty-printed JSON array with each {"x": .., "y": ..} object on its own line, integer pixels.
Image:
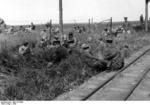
[
  {"x": 26, "y": 44},
  {"x": 70, "y": 35},
  {"x": 32, "y": 23},
  {"x": 105, "y": 29},
  {"x": 85, "y": 47},
  {"x": 126, "y": 46},
  {"x": 101, "y": 40},
  {"x": 56, "y": 43},
  {"x": 109, "y": 40},
  {"x": 44, "y": 30},
  {"x": 125, "y": 19}
]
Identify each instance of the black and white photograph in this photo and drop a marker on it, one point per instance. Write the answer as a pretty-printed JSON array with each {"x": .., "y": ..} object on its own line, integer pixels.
[{"x": 74, "y": 50}]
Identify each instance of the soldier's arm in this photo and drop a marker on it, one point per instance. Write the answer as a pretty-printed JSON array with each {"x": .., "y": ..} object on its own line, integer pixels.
[{"x": 110, "y": 56}]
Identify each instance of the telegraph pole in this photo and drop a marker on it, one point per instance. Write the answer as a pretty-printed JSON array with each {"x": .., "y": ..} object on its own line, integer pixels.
[
  {"x": 50, "y": 30},
  {"x": 61, "y": 17},
  {"x": 146, "y": 15},
  {"x": 89, "y": 26},
  {"x": 111, "y": 24}
]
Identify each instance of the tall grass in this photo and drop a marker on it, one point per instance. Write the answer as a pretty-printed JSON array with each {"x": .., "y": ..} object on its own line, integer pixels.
[
  {"x": 18, "y": 38},
  {"x": 48, "y": 83},
  {"x": 35, "y": 81}
]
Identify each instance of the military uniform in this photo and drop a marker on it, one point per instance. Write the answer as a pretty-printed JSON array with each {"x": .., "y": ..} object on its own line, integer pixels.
[
  {"x": 71, "y": 40},
  {"x": 56, "y": 42},
  {"x": 91, "y": 61},
  {"x": 32, "y": 26},
  {"x": 24, "y": 49},
  {"x": 113, "y": 56}
]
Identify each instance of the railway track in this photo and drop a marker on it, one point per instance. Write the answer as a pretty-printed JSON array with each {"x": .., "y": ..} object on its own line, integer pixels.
[{"x": 114, "y": 85}]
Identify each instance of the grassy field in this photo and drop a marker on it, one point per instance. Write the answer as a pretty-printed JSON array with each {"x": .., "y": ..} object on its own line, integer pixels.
[{"x": 31, "y": 79}]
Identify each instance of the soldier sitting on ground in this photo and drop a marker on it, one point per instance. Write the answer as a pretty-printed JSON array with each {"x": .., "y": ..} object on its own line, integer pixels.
[
  {"x": 71, "y": 40},
  {"x": 44, "y": 39},
  {"x": 87, "y": 50},
  {"x": 112, "y": 55},
  {"x": 126, "y": 51},
  {"x": 21, "y": 28},
  {"x": 56, "y": 42},
  {"x": 42, "y": 43},
  {"x": 44, "y": 35},
  {"x": 24, "y": 48},
  {"x": 64, "y": 41},
  {"x": 58, "y": 52},
  {"x": 105, "y": 32},
  {"x": 91, "y": 61},
  {"x": 32, "y": 26},
  {"x": 11, "y": 30}
]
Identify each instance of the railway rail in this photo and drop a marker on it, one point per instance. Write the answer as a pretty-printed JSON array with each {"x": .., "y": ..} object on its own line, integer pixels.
[{"x": 117, "y": 85}]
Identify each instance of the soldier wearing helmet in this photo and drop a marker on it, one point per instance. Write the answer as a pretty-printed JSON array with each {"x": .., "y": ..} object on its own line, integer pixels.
[
  {"x": 91, "y": 61},
  {"x": 112, "y": 55},
  {"x": 56, "y": 42},
  {"x": 71, "y": 39},
  {"x": 32, "y": 26},
  {"x": 25, "y": 49},
  {"x": 86, "y": 49}
]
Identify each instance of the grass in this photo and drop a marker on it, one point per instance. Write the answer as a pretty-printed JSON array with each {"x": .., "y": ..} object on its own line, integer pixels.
[
  {"x": 47, "y": 83},
  {"x": 31, "y": 79}
]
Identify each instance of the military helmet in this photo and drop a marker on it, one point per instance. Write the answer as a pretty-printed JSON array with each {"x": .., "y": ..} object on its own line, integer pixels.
[
  {"x": 85, "y": 46},
  {"x": 109, "y": 40},
  {"x": 26, "y": 43},
  {"x": 70, "y": 34}
]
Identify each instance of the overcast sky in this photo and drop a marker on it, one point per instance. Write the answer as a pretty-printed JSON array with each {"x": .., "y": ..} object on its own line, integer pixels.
[{"x": 40, "y": 11}]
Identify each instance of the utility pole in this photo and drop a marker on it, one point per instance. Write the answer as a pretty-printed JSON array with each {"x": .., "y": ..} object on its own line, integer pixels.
[
  {"x": 146, "y": 15},
  {"x": 89, "y": 25},
  {"x": 92, "y": 24},
  {"x": 111, "y": 25},
  {"x": 61, "y": 17},
  {"x": 50, "y": 30}
]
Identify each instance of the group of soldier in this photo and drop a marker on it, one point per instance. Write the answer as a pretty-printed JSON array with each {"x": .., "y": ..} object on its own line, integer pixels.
[
  {"x": 112, "y": 58},
  {"x": 79, "y": 29}
]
